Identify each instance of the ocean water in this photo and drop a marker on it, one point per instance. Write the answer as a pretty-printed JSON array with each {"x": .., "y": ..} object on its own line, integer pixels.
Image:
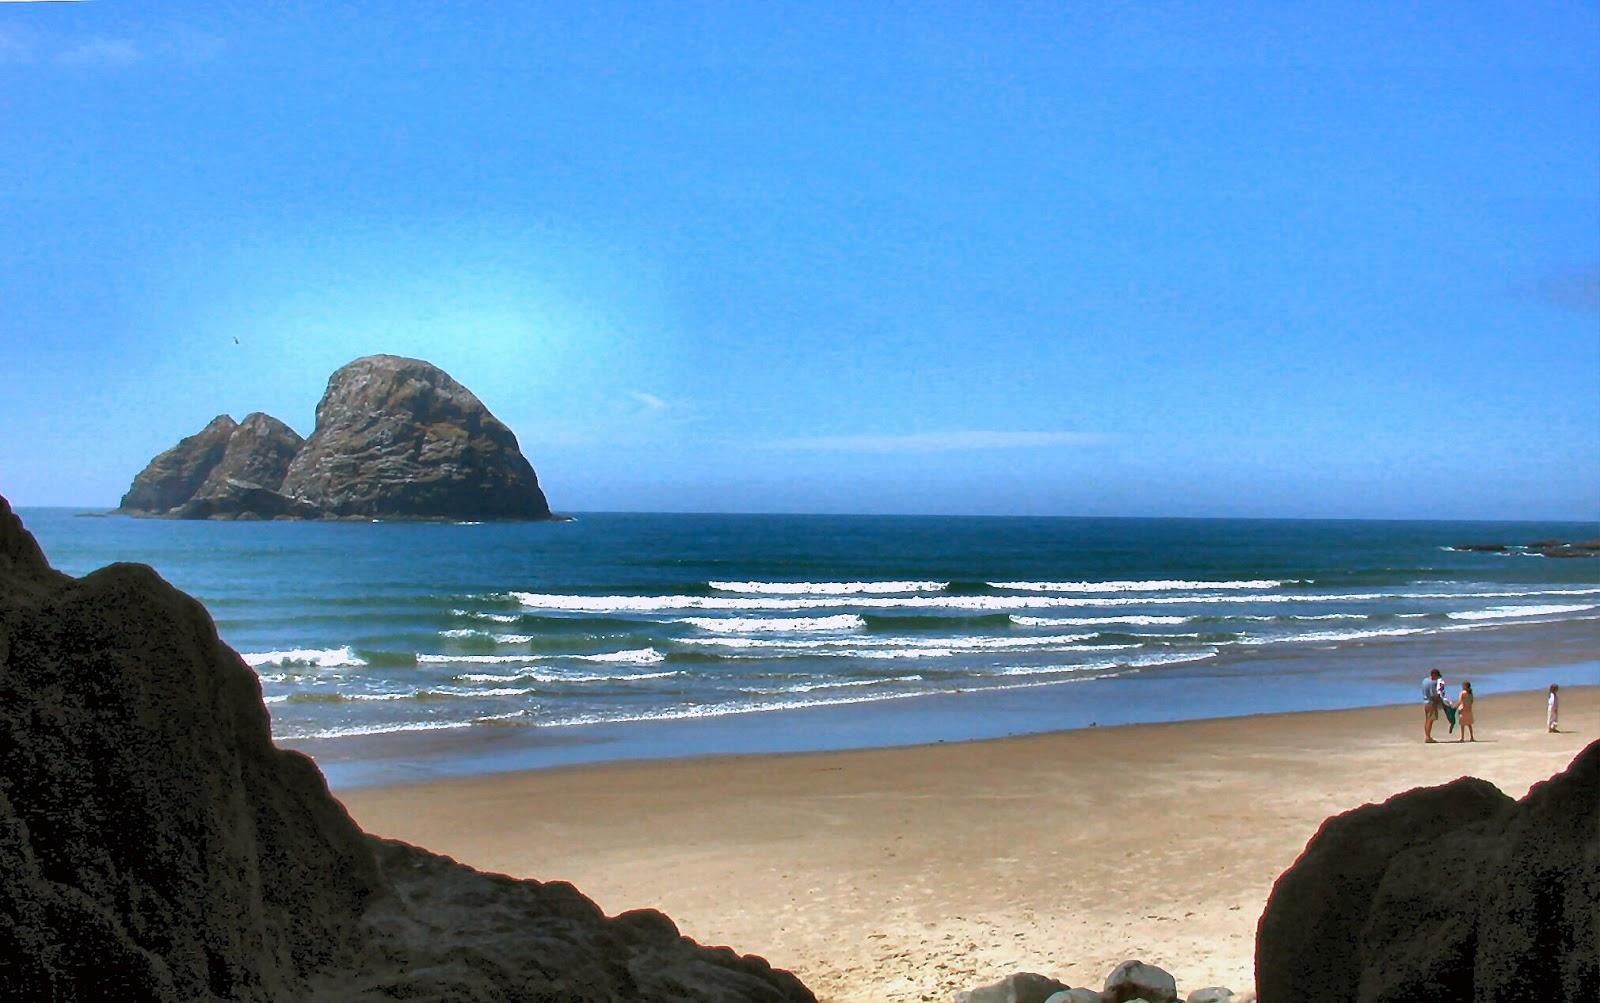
[{"x": 585, "y": 627}]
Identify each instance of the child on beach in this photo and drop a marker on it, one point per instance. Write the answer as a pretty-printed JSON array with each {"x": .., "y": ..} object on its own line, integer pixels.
[
  {"x": 1464, "y": 713},
  {"x": 1550, "y": 715}
]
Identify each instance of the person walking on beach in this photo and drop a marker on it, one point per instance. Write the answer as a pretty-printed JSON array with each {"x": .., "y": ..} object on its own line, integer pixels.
[
  {"x": 1432, "y": 700},
  {"x": 1555, "y": 706},
  {"x": 1464, "y": 713}
]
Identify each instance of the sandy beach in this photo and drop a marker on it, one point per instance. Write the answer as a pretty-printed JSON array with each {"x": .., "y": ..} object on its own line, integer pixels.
[{"x": 910, "y": 873}]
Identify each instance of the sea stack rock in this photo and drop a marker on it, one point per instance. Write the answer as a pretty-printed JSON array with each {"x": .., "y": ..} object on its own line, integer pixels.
[
  {"x": 398, "y": 438},
  {"x": 395, "y": 439},
  {"x": 227, "y": 470},
  {"x": 258, "y": 454},
  {"x": 175, "y": 476},
  {"x": 155, "y": 845}
]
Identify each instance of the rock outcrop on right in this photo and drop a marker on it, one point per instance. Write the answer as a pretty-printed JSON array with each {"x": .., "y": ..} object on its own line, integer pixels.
[
  {"x": 1448, "y": 894},
  {"x": 156, "y": 846}
]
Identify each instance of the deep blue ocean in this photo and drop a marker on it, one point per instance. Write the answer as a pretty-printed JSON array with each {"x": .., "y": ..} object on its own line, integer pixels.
[{"x": 567, "y": 632}]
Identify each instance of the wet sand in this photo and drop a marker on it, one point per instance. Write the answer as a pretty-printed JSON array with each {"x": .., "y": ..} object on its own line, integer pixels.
[{"x": 909, "y": 873}]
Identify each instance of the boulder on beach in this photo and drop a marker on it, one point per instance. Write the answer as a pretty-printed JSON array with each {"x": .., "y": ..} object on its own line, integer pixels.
[
  {"x": 155, "y": 844},
  {"x": 1448, "y": 894},
  {"x": 1137, "y": 980},
  {"x": 1023, "y": 987},
  {"x": 395, "y": 438}
]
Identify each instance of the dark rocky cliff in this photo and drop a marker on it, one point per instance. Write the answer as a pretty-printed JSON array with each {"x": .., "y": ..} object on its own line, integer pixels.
[
  {"x": 1448, "y": 894},
  {"x": 395, "y": 438},
  {"x": 155, "y": 844}
]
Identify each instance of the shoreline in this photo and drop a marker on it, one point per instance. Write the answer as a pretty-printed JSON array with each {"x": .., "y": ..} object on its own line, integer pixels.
[
  {"x": 1308, "y": 678},
  {"x": 913, "y": 872}
]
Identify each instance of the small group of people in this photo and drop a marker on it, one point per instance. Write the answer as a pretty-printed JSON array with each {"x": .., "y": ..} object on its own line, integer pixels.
[{"x": 1458, "y": 712}]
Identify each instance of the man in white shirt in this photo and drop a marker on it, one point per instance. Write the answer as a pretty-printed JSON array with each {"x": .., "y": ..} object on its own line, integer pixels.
[{"x": 1432, "y": 700}]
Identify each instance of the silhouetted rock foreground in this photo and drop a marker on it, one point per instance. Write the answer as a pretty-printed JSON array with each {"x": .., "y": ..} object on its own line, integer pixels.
[
  {"x": 1446, "y": 894},
  {"x": 396, "y": 438},
  {"x": 155, "y": 845}
]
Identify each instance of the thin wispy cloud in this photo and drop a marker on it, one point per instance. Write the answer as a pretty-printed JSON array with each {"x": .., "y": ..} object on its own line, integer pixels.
[
  {"x": 169, "y": 44},
  {"x": 14, "y": 48},
  {"x": 936, "y": 442},
  {"x": 651, "y": 402},
  {"x": 103, "y": 52}
]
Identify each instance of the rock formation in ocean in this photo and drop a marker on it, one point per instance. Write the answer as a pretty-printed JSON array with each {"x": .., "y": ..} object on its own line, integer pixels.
[
  {"x": 1538, "y": 548},
  {"x": 1448, "y": 894},
  {"x": 155, "y": 844},
  {"x": 176, "y": 475},
  {"x": 395, "y": 438},
  {"x": 398, "y": 437},
  {"x": 227, "y": 470}
]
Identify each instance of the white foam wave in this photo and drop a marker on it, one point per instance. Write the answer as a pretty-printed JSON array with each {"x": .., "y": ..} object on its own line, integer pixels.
[
  {"x": 1499, "y": 612},
  {"x": 638, "y": 656},
  {"x": 647, "y": 604},
  {"x": 1051, "y": 670},
  {"x": 1095, "y": 621},
  {"x": 1152, "y": 660},
  {"x": 1154, "y": 585},
  {"x": 1331, "y": 635},
  {"x": 729, "y": 708},
  {"x": 736, "y": 624},
  {"x": 828, "y": 685},
  {"x": 546, "y": 676},
  {"x": 480, "y": 615},
  {"x": 463, "y": 632},
  {"x": 353, "y": 730},
  {"x": 1329, "y": 616},
  {"x": 322, "y": 658},
  {"x": 512, "y": 638},
  {"x": 854, "y": 645},
  {"x": 1139, "y": 662},
  {"x": 828, "y": 588}
]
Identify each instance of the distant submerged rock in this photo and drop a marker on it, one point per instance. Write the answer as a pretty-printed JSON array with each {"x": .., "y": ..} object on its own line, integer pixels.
[{"x": 396, "y": 438}]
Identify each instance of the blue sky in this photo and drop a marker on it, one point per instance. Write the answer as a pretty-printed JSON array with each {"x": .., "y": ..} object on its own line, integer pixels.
[{"x": 1079, "y": 259}]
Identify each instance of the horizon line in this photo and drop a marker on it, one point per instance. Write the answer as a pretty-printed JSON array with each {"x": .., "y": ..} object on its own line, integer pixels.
[{"x": 111, "y": 511}]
